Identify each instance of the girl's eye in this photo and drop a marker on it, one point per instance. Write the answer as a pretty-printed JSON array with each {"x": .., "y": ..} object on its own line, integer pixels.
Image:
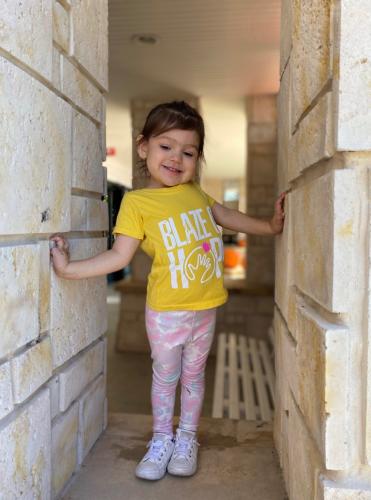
[
  {"x": 188, "y": 154},
  {"x": 164, "y": 146}
]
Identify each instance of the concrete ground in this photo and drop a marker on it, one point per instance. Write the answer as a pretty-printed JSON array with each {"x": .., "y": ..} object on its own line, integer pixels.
[{"x": 237, "y": 462}]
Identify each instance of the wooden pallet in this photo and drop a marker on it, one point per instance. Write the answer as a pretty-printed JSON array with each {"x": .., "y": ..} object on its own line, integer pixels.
[{"x": 244, "y": 379}]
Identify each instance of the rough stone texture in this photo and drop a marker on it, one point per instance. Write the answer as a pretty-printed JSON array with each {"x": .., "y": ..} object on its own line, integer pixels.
[
  {"x": 44, "y": 287},
  {"x": 286, "y": 33},
  {"x": 78, "y": 375},
  {"x": 322, "y": 388},
  {"x": 56, "y": 70},
  {"x": 40, "y": 163},
  {"x": 6, "y": 397},
  {"x": 97, "y": 215},
  {"x": 90, "y": 41},
  {"x": 284, "y": 130},
  {"x": 54, "y": 396},
  {"x": 61, "y": 26},
  {"x": 313, "y": 141},
  {"x": 78, "y": 213},
  {"x": 26, "y": 33},
  {"x": 64, "y": 448},
  {"x": 352, "y": 76},
  {"x": 19, "y": 278},
  {"x": 91, "y": 417},
  {"x": 87, "y": 159},
  {"x": 323, "y": 264},
  {"x": 304, "y": 457},
  {"x": 80, "y": 90},
  {"x": 31, "y": 369},
  {"x": 25, "y": 452},
  {"x": 72, "y": 300},
  {"x": 310, "y": 55}
]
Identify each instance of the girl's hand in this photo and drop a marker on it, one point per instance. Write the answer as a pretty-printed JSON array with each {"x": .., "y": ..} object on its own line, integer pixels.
[
  {"x": 60, "y": 254},
  {"x": 278, "y": 218}
]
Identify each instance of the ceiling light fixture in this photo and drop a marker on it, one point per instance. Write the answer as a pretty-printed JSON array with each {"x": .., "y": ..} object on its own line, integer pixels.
[{"x": 145, "y": 39}]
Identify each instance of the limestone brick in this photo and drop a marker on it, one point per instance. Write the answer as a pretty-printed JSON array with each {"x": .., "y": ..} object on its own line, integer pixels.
[
  {"x": 97, "y": 211},
  {"x": 78, "y": 213},
  {"x": 80, "y": 373},
  {"x": 19, "y": 278},
  {"x": 262, "y": 133},
  {"x": 80, "y": 90},
  {"x": 53, "y": 385},
  {"x": 61, "y": 26},
  {"x": 6, "y": 397},
  {"x": 73, "y": 300},
  {"x": 310, "y": 55},
  {"x": 283, "y": 129},
  {"x": 64, "y": 448},
  {"x": 322, "y": 390},
  {"x": 90, "y": 40},
  {"x": 304, "y": 457},
  {"x": 40, "y": 163},
  {"x": 314, "y": 139},
  {"x": 26, "y": 33},
  {"x": 286, "y": 33},
  {"x": 87, "y": 161},
  {"x": 352, "y": 76},
  {"x": 56, "y": 69},
  {"x": 25, "y": 452},
  {"x": 262, "y": 109},
  {"x": 44, "y": 287},
  {"x": 91, "y": 417},
  {"x": 31, "y": 369},
  {"x": 329, "y": 490},
  {"x": 322, "y": 263}
]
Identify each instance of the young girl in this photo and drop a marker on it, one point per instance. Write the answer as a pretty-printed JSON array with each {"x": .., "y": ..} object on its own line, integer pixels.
[{"x": 175, "y": 222}]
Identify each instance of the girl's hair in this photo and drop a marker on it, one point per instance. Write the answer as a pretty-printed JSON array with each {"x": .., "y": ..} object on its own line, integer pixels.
[{"x": 171, "y": 115}]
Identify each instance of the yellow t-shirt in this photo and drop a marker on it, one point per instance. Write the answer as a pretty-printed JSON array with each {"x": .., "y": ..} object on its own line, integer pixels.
[{"x": 179, "y": 232}]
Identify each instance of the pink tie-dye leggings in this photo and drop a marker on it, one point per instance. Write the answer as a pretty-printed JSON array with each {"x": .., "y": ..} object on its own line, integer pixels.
[{"x": 180, "y": 343}]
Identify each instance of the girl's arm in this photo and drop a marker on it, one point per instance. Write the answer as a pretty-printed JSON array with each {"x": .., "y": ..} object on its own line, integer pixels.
[
  {"x": 106, "y": 262},
  {"x": 242, "y": 223}
]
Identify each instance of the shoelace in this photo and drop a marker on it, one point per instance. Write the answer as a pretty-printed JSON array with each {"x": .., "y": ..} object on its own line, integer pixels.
[
  {"x": 184, "y": 448},
  {"x": 154, "y": 452}
]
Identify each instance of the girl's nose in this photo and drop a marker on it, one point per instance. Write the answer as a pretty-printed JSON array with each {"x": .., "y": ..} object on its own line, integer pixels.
[{"x": 176, "y": 155}]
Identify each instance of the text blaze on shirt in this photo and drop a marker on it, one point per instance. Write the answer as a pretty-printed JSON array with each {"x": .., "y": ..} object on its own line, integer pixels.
[{"x": 204, "y": 261}]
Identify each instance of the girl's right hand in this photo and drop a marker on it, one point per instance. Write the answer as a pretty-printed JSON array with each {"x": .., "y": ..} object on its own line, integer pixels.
[{"x": 60, "y": 254}]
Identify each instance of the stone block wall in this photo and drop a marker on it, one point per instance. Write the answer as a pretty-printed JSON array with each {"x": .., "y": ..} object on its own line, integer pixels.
[
  {"x": 322, "y": 298},
  {"x": 53, "y": 74}
]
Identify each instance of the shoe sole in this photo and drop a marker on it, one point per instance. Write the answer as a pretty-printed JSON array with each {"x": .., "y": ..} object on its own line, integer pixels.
[{"x": 181, "y": 473}]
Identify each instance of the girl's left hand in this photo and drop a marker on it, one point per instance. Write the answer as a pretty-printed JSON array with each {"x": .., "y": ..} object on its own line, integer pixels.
[{"x": 278, "y": 218}]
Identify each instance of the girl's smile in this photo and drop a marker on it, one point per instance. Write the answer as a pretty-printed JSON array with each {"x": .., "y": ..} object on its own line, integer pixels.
[{"x": 171, "y": 157}]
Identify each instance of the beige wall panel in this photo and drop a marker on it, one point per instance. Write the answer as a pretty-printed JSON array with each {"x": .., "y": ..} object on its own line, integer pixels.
[
  {"x": 353, "y": 76},
  {"x": 6, "y": 396},
  {"x": 97, "y": 211},
  {"x": 87, "y": 172},
  {"x": 329, "y": 490},
  {"x": 78, "y": 308},
  {"x": 90, "y": 41},
  {"x": 26, "y": 32},
  {"x": 286, "y": 33},
  {"x": 40, "y": 163},
  {"x": 314, "y": 139},
  {"x": 310, "y": 56},
  {"x": 44, "y": 287},
  {"x": 283, "y": 130},
  {"x": 322, "y": 391},
  {"x": 323, "y": 214},
  {"x": 19, "y": 298},
  {"x": 25, "y": 452},
  {"x": 64, "y": 448},
  {"x": 80, "y": 90},
  {"x": 61, "y": 26}
]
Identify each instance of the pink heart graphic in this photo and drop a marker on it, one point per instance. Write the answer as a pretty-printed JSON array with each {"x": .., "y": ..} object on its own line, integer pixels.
[{"x": 206, "y": 246}]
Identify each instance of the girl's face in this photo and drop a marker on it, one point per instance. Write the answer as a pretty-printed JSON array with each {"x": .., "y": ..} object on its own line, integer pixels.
[{"x": 171, "y": 157}]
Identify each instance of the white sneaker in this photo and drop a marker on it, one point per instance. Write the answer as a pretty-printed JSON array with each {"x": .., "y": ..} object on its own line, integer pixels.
[
  {"x": 153, "y": 464},
  {"x": 184, "y": 459}
]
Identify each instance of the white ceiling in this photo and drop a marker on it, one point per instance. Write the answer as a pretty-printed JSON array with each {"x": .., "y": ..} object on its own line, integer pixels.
[{"x": 205, "y": 48}]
